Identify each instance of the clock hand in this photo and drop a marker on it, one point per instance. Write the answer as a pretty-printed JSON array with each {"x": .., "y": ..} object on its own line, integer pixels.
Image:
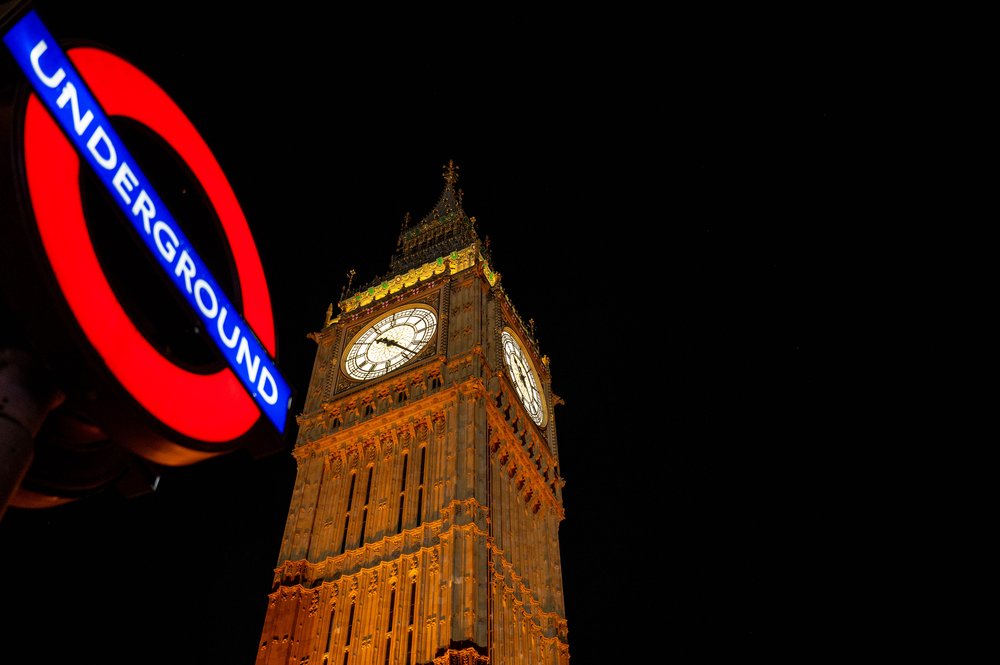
[
  {"x": 520, "y": 376},
  {"x": 392, "y": 342}
]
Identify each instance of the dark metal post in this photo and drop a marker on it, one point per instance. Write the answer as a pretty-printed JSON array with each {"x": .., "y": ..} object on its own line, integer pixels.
[{"x": 26, "y": 397}]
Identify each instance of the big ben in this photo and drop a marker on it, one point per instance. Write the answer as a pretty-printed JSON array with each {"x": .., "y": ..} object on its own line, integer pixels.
[{"x": 423, "y": 523}]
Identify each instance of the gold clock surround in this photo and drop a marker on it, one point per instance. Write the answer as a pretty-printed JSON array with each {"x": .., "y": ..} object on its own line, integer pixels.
[
  {"x": 389, "y": 341},
  {"x": 524, "y": 376}
]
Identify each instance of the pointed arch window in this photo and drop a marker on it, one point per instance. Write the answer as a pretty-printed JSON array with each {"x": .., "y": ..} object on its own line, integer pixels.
[
  {"x": 364, "y": 509},
  {"x": 347, "y": 515},
  {"x": 420, "y": 487},
  {"x": 350, "y": 630},
  {"x": 402, "y": 497}
]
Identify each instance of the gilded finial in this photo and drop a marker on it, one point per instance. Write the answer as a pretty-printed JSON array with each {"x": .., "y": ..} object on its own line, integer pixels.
[
  {"x": 346, "y": 289},
  {"x": 451, "y": 175},
  {"x": 531, "y": 324},
  {"x": 329, "y": 315},
  {"x": 402, "y": 229}
]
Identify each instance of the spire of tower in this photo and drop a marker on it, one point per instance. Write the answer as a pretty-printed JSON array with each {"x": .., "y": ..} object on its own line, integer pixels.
[
  {"x": 444, "y": 229},
  {"x": 451, "y": 174}
]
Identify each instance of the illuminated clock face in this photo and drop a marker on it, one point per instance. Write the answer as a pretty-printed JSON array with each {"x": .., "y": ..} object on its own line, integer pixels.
[
  {"x": 390, "y": 342},
  {"x": 524, "y": 377}
]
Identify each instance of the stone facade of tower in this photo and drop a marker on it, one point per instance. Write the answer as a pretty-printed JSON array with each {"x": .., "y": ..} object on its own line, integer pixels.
[{"x": 423, "y": 525}]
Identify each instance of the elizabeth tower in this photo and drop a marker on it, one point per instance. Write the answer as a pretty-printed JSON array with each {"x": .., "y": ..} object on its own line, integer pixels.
[{"x": 423, "y": 525}]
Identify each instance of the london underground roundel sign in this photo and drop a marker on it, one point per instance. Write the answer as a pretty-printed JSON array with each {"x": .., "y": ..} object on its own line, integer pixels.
[{"x": 66, "y": 127}]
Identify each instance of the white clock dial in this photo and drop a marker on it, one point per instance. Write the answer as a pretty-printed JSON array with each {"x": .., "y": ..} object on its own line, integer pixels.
[
  {"x": 390, "y": 342},
  {"x": 524, "y": 377}
]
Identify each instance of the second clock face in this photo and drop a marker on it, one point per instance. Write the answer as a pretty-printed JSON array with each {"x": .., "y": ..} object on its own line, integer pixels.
[
  {"x": 524, "y": 377},
  {"x": 390, "y": 342}
]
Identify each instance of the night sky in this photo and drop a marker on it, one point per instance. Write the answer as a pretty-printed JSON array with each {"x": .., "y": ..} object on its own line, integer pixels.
[{"x": 670, "y": 217}]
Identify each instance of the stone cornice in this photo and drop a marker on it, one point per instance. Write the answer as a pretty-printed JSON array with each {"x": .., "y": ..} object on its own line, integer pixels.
[
  {"x": 523, "y": 455},
  {"x": 425, "y": 538},
  {"x": 522, "y": 595},
  {"x": 384, "y": 403},
  {"x": 429, "y": 386},
  {"x": 305, "y": 579}
]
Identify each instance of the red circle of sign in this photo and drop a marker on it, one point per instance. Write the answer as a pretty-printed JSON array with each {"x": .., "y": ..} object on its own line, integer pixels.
[{"x": 212, "y": 408}]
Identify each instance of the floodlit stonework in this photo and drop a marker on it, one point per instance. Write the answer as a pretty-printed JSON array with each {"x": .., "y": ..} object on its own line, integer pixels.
[{"x": 423, "y": 525}]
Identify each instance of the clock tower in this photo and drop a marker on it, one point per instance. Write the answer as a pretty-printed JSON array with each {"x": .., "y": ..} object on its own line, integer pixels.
[{"x": 423, "y": 525}]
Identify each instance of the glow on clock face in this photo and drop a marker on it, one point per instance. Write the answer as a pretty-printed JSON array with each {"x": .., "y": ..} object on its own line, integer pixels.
[
  {"x": 390, "y": 342},
  {"x": 522, "y": 374}
]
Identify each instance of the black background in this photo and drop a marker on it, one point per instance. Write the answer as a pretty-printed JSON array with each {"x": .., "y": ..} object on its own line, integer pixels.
[{"x": 673, "y": 214}]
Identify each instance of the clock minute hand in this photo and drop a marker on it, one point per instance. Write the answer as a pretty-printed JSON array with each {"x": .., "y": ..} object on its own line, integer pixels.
[{"x": 392, "y": 342}]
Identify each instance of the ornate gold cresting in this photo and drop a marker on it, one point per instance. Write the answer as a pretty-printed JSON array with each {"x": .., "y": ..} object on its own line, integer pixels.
[{"x": 453, "y": 263}]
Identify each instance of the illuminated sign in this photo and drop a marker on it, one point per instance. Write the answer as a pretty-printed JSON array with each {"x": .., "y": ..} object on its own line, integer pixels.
[{"x": 207, "y": 407}]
